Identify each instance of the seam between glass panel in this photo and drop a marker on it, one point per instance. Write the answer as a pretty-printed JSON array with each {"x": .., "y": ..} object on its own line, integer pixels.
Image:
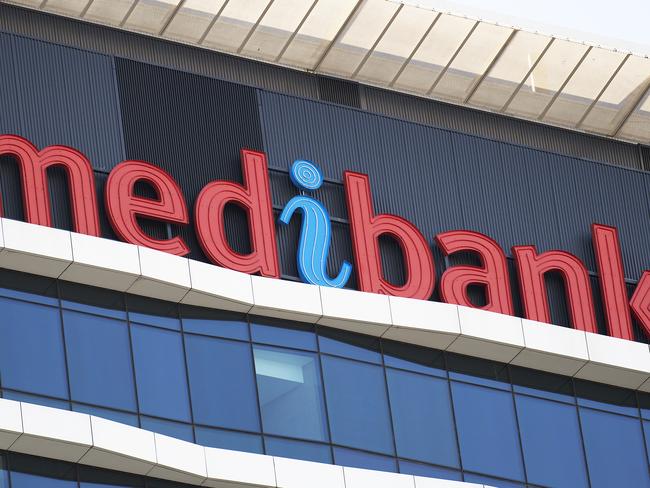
[
  {"x": 257, "y": 390},
  {"x": 65, "y": 347},
  {"x": 322, "y": 380},
  {"x": 135, "y": 379},
  {"x": 521, "y": 444},
  {"x": 453, "y": 417},
  {"x": 582, "y": 437},
  {"x": 187, "y": 371}
]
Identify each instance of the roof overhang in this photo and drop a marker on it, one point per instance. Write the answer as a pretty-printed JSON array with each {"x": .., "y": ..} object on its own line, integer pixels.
[{"x": 409, "y": 49}]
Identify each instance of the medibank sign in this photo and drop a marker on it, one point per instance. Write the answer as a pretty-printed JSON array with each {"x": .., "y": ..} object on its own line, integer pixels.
[{"x": 123, "y": 208}]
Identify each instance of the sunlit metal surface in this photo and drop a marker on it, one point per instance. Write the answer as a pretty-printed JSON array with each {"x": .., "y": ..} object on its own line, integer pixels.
[{"x": 409, "y": 49}]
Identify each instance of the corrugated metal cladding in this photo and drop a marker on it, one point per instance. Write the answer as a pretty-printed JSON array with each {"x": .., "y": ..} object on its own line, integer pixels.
[
  {"x": 209, "y": 63},
  {"x": 192, "y": 126},
  {"x": 441, "y": 180}
]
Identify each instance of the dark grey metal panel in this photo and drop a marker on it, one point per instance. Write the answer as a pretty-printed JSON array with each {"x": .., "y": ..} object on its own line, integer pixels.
[
  {"x": 442, "y": 180},
  {"x": 502, "y": 128},
  {"x": 62, "y": 96},
  {"x": 191, "y": 126},
  {"x": 137, "y": 47}
]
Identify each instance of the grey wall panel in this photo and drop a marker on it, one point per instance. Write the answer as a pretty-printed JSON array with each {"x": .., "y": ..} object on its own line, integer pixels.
[
  {"x": 9, "y": 101},
  {"x": 191, "y": 126},
  {"x": 137, "y": 47},
  {"x": 63, "y": 96},
  {"x": 442, "y": 180},
  {"x": 501, "y": 128}
]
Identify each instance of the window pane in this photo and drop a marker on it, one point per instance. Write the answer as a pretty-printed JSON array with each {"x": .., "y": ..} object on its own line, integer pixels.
[
  {"x": 475, "y": 478},
  {"x": 308, "y": 451},
  {"x": 487, "y": 431},
  {"x": 122, "y": 417},
  {"x": 153, "y": 312},
  {"x": 36, "y": 399},
  {"x": 160, "y": 372},
  {"x": 417, "y": 469},
  {"x": 34, "y": 472},
  {"x": 283, "y": 333},
  {"x": 349, "y": 345},
  {"x": 214, "y": 323},
  {"x": 222, "y": 383},
  {"x": 31, "y": 348},
  {"x": 4, "y": 475},
  {"x": 166, "y": 427},
  {"x": 550, "y": 435},
  {"x": 99, "y": 360},
  {"x": 290, "y": 393},
  {"x": 422, "y": 418},
  {"x": 359, "y": 459},
  {"x": 357, "y": 404},
  {"x": 226, "y": 439},
  {"x": 615, "y": 449}
]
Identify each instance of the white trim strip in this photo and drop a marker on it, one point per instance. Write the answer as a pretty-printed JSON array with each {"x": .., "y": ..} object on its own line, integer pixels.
[
  {"x": 94, "y": 441},
  {"x": 115, "y": 265}
]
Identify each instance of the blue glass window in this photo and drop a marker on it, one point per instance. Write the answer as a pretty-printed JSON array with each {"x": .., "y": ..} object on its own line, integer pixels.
[
  {"x": 214, "y": 323},
  {"x": 357, "y": 404},
  {"x": 31, "y": 472},
  {"x": 349, "y": 345},
  {"x": 422, "y": 418},
  {"x": 114, "y": 415},
  {"x": 36, "y": 399},
  {"x": 309, "y": 451},
  {"x": 365, "y": 460},
  {"x": 226, "y": 439},
  {"x": 550, "y": 436},
  {"x": 158, "y": 313},
  {"x": 4, "y": 475},
  {"x": 160, "y": 372},
  {"x": 222, "y": 382},
  {"x": 31, "y": 348},
  {"x": 167, "y": 427},
  {"x": 615, "y": 449},
  {"x": 497, "y": 483},
  {"x": 290, "y": 393},
  {"x": 487, "y": 431},
  {"x": 99, "y": 360},
  {"x": 279, "y": 333},
  {"x": 417, "y": 469}
]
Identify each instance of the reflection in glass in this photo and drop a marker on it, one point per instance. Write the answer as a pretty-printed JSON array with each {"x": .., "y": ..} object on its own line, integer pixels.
[
  {"x": 222, "y": 383},
  {"x": 31, "y": 348},
  {"x": 290, "y": 393},
  {"x": 487, "y": 431},
  {"x": 357, "y": 404},
  {"x": 609, "y": 464}
]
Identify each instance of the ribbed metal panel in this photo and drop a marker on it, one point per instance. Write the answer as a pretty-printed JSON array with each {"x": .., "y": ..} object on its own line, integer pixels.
[
  {"x": 442, "y": 180},
  {"x": 59, "y": 95},
  {"x": 502, "y": 128},
  {"x": 193, "y": 127},
  {"x": 155, "y": 51},
  {"x": 339, "y": 91}
]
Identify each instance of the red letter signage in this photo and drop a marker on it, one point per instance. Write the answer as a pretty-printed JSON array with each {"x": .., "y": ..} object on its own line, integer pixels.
[
  {"x": 123, "y": 206},
  {"x": 531, "y": 268},
  {"x": 612, "y": 281},
  {"x": 493, "y": 273},
  {"x": 366, "y": 228},
  {"x": 33, "y": 166},
  {"x": 255, "y": 198},
  {"x": 640, "y": 303}
]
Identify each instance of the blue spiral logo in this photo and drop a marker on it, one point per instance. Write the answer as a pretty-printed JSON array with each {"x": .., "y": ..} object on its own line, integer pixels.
[{"x": 306, "y": 175}]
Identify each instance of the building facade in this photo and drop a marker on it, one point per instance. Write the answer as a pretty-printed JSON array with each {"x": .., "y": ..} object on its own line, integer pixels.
[{"x": 157, "y": 331}]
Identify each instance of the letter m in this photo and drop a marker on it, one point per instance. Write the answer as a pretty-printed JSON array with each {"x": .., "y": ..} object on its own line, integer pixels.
[{"x": 33, "y": 165}]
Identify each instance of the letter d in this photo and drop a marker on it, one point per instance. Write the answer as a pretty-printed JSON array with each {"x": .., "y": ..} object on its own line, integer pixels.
[
  {"x": 366, "y": 228},
  {"x": 254, "y": 196}
]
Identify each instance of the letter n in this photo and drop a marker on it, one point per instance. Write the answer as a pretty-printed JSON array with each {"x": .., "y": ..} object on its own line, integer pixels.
[{"x": 532, "y": 267}]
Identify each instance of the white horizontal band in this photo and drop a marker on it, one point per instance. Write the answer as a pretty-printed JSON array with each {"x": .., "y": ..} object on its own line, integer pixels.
[
  {"x": 119, "y": 266},
  {"x": 85, "y": 439}
]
